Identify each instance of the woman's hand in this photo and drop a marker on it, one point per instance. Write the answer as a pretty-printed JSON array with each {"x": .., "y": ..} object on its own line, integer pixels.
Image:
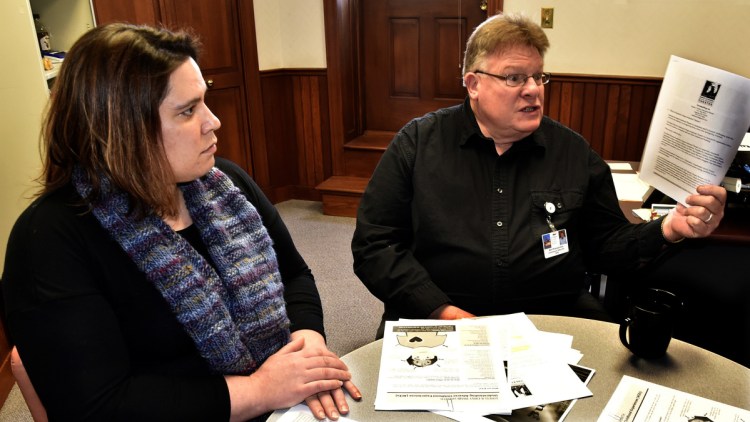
[
  {"x": 291, "y": 375},
  {"x": 700, "y": 219},
  {"x": 329, "y": 403}
]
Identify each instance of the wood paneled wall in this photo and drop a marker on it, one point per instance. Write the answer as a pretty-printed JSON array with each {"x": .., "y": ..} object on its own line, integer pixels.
[
  {"x": 297, "y": 131},
  {"x": 613, "y": 113}
]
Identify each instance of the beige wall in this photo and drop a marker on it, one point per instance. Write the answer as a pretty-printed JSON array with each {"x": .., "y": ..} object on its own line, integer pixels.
[
  {"x": 636, "y": 37},
  {"x": 607, "y": 37},
  {"x": 290, "y": 34},
  {"x": 24, "y": 93}
]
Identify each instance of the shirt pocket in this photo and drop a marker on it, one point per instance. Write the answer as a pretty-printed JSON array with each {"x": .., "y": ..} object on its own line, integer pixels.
[{"x": 567, "y": 204}]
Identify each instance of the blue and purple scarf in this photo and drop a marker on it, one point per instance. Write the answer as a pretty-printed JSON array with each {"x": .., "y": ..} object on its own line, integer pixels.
[{"x": 235, "y": 314}]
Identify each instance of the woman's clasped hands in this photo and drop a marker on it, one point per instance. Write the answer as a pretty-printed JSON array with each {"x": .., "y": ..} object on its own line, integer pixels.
[{"x": 303, "y": 370}]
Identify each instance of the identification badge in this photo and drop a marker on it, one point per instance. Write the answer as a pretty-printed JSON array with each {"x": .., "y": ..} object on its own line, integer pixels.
[{"x": 555, "y": 243}]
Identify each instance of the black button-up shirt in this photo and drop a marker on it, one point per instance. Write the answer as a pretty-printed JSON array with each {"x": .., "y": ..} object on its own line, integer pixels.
[{"x": 444, "y": 219}]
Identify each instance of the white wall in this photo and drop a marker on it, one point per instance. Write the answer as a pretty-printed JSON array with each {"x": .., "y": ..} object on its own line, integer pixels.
[
  {"x": 24, "y": 94},
  {"x": 636, "y": 37},
  {"x": 290, "y": 34}
]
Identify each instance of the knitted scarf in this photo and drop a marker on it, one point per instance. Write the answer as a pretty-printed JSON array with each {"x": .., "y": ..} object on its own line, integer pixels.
[{"x": 235, "y": 314}]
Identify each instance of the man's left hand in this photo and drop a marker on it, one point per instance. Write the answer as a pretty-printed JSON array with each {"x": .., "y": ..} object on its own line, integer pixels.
[{"x": 703, "y": 214}]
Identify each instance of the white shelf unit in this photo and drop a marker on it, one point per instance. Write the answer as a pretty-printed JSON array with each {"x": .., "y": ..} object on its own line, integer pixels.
[{"x": 66, "y": 21}]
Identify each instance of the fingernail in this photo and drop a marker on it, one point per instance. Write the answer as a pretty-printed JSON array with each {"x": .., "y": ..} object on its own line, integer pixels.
[
  {"x": 321, "y": 415},
  {"x": 334, "y": 415}
]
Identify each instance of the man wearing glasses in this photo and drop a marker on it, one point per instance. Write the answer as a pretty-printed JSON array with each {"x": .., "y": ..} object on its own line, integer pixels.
[{"x": 490, "y": 207}]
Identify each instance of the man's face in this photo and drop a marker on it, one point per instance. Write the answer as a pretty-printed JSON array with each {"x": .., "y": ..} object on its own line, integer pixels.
[
  {"x": 187, "y": 125},
  {"x": 504, "y": 113}
]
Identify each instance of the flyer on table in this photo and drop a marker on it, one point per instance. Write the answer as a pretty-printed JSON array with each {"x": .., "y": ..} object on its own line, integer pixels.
[{"x": 636, "y": 400}]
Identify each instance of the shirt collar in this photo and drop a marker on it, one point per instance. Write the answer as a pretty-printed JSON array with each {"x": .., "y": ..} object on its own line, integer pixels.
[{"x": 473, "y": 133}]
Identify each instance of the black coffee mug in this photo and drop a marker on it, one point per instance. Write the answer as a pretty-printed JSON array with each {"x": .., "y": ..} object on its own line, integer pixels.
[{"x": 647, "y": 328}]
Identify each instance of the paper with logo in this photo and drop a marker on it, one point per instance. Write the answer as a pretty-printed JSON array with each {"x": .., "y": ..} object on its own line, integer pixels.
[
  {"x": 701, "y": 117},
  {"x": 636, "y": 400}
]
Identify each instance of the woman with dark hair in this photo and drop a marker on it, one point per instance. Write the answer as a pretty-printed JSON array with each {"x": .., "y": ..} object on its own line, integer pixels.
[{"x": 150, "y": 280}]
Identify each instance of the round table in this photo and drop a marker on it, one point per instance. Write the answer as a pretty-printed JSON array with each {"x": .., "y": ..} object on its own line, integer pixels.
[{"x": 685, "y": 367}]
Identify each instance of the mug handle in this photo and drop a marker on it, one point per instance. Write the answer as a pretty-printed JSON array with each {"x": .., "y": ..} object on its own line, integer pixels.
[{"x": 623, "y": 329}]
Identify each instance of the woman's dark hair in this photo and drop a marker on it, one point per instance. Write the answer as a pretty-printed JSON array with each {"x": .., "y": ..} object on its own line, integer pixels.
[{"x": 103, "y": 114}]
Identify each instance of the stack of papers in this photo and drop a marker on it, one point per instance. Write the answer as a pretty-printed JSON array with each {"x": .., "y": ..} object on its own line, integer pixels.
[
  {"x": 466, "y": 369},
  {"x": 630, "y": 187}
]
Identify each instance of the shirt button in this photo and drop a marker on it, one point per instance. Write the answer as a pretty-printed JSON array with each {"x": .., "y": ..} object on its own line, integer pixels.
[
  {"x": 499, "y": 223},
  {"x": 499, "y": 190},
  {"x": 499, "y": 263}
]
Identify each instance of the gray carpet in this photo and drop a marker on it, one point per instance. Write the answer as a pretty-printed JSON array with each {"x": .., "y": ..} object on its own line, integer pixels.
[{"x": 351, "y": 313}]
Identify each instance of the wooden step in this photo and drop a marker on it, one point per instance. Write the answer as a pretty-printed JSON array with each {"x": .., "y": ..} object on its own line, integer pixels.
[
  {"x": 341, "y": 194},
  {"x": 371, "y": 140},
  {"x": 362, "y": 154}
]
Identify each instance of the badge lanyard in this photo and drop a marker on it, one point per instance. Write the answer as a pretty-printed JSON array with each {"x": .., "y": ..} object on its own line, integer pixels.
[
  {"x": 550, "y": 207},
  {"x": 555, "y": 242}
]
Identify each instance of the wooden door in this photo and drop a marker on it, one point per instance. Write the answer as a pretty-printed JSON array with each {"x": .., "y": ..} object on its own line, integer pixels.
[
  {"x": 216, "y": 22},
  {"x": 412, "y": 54},
  {"x": 134, "y": 11}
]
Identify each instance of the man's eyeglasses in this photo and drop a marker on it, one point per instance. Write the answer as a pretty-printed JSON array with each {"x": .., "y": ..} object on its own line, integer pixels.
[{"x": 518, "y": 79}]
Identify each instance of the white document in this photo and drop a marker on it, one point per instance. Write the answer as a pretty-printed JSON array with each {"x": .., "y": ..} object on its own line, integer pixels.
[
  {"x": 701, "y": 116},
  {"x": 558, "y": 347},
  {"x": 479, "y": 366},
  {"x": 630, "y": 187},
  {"x": 539, "y": 374},
  {"x": 301, "y": 413},
  {"x": 620, "y": 166},
  {"x": 442, "y": 365},
  {"x": 635, "y": 400}
]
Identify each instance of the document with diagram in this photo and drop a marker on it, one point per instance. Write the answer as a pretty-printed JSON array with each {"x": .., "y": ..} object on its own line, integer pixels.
[{"x": 482, "y": 366}]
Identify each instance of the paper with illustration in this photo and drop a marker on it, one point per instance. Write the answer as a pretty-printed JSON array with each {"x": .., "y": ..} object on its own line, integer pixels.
[{"x": 488, "y": 365}]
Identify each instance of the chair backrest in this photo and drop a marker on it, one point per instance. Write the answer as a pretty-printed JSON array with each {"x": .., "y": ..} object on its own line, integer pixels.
[{"x": 38, "y": 412}]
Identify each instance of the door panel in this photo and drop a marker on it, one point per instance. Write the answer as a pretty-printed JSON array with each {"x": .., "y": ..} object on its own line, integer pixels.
[
  {"x": 216, "y": 23},
  {"x": 134, "y": 11},
  {"x": 224, "y": 103},
  {"x": 412, "y": 53}
]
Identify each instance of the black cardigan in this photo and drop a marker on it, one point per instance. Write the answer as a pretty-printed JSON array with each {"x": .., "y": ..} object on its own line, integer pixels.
[{"x": 97, "y": 339}]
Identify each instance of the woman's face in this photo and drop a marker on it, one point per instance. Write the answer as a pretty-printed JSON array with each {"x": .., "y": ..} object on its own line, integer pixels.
[{"x": 187, "y": 125}]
